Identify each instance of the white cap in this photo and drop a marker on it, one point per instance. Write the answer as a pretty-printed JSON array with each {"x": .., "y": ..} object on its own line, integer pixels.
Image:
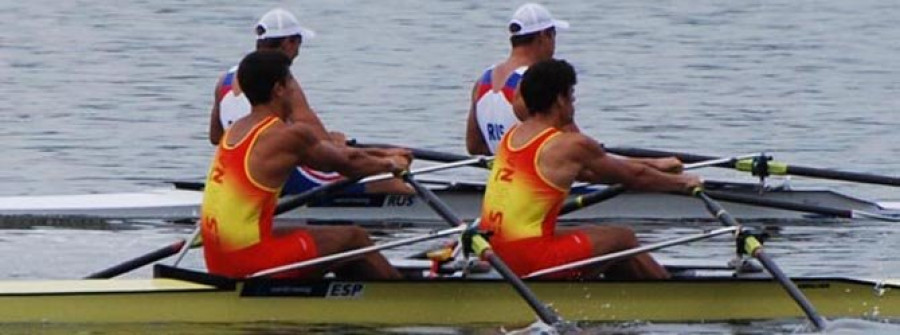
[
  {"x": 533, "y": 18},
  {"x": 280, "y": 23}
]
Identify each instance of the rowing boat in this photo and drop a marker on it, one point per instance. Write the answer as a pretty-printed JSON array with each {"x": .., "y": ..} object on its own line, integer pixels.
[
  {"x": 181, "y": 295},
  {"x": 182, "y": 203}
]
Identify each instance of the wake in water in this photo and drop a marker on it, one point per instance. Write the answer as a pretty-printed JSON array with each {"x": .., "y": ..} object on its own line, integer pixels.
[
  {"x": 541, "y": 328},
  {"x": 858, "y": 326}
]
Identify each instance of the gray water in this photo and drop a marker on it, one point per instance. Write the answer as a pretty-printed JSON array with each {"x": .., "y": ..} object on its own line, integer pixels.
[{"x": 110, "y": 96}]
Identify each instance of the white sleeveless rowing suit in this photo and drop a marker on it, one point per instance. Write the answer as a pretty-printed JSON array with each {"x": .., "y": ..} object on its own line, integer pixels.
[{"x": 493, "y": 109}]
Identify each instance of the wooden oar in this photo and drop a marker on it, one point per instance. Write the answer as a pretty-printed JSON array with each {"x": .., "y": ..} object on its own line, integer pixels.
[
  {"x": 423, "y": 154},
  {"x": 753, "y": 247},
  {"x": 633, "y": 251},
  {"x": 798, "y": 207},
  {"x": 774, "y": 168},
  {"x": 482, "y": 247},
  {"x": 288, "y": 204}
]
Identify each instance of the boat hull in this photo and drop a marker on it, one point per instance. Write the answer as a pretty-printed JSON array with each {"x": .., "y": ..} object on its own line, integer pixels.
[
  {"x": 183, "y": 296},
  {"x": 464, "y": 198}
]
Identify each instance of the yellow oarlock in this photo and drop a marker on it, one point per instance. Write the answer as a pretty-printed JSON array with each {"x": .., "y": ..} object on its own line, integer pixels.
[
  {"x": 774, "y": 168},
  {"x": 751, "y": 245},
  {"x": 479, "y": 245}
]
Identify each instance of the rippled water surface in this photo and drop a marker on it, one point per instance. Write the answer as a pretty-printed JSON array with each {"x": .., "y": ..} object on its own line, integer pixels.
[{"x": 109, "y": 96}]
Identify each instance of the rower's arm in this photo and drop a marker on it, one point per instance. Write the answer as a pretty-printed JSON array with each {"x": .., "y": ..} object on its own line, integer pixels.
[
  {"x": 475, "y": 143},
  {"x": 664, "y": 164},
  {"x": 215, "y": 124},
  {"x": 599, "y": 167},
  {"x": 324, "y": 155}
]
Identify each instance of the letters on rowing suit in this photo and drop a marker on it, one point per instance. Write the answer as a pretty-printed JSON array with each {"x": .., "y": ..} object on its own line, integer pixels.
[
  {"x": 520, "y": 210},
  {"x": 237, "y": 215},
  {"x": 493, "y": 109}
]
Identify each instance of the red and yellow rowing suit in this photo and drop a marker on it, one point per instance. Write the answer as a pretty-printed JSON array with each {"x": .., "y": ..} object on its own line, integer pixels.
[
  {"x": 520, "y": 209},
  {"x": 237, "y": 216}
]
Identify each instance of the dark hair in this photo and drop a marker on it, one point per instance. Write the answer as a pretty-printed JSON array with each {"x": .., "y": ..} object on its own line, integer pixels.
[
  {"x": 260, "y": 71},
  {"x": 544, "y": 82},
  {"x": 517, "y": 40}
]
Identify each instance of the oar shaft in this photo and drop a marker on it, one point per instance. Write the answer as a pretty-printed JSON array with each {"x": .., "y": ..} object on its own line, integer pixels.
[
  {"x": 360, "y": 251},
  {"x": 842, "y": 175},
  {"x": 684, "y": 157},
  {"x": 785, "y": 169},
  {"x": 718, "y": 161},
  {"x": 302, "y": 198},
  {"x": 798, "y": 207},
  {"x": 585, "y": 200},
  {"x": 725, "y": 218},
  {"x": 631, "y": 252},
  {"x": 187, "y": 246},
  {"x": 135, "y": 263},
  {"x": 544, "y": 313},
  {"x": 791, "y": 289},
  {"x": 588, "y": 199},
  {"x": 423, "y": 154}
]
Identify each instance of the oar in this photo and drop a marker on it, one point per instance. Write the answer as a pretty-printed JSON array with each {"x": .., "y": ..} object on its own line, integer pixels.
[
  {"x": 423, "y": 154},
  {"x": 483, "y": 248},
  {"x": 774, "y": 168},
  {"x": 588, "y": 199},
  {"x": 140, "y": 261},
  {"x": 286, "y": 205},
  {"x": 360, "y": 251},
  {"x": 798, "y": 207},
  {"x": 633, "y": 251},
  {"x": 753, "y": 247},
  {"x": 293, "y": 202}
]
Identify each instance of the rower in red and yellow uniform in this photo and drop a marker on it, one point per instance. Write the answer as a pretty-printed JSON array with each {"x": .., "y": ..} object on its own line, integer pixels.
[
  {"x": 535, "y": 166},
  {"x": 250, "y": 167}
]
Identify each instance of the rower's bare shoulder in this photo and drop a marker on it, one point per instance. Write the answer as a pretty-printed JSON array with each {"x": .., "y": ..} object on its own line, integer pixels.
[
  {"x": 581, "y": 143},
  {"x": 298, "y": 132}
]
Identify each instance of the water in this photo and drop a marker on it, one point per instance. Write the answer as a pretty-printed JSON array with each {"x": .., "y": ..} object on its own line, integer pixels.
[{"x": 106, "y": 96}]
